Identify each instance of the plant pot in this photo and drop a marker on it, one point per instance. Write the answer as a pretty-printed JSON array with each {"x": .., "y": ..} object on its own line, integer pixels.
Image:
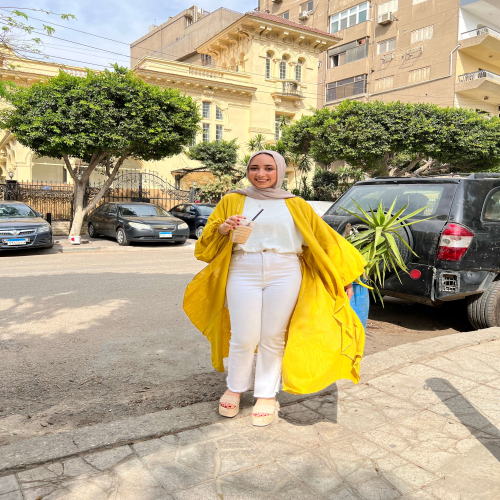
[{"x": 360, "y": 302}]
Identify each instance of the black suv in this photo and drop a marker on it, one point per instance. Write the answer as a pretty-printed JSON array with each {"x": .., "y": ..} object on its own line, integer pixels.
[
  {"x": 195, "y": 215},
  {"x": 458, "y": 248}
]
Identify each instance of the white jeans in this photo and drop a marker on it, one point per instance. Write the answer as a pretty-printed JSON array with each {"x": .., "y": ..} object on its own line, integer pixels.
[{"x": 262, "y": 291}]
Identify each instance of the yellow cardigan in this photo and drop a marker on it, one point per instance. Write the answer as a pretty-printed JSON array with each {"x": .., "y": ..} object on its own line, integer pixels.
[{"x": 325, "y": 338}]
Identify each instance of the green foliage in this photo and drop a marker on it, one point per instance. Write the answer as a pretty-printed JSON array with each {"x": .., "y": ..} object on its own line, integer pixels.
[
  {"x": 20, "y": 37},
  {"x": 325, "y": 185},
  {"x": 394, "y": 138},
  {"x": 377, "y": 243},
  {"x": 220, "y": 157},
  {"x": 214, "y": 189},
  {"x": 109, "y": 114}
]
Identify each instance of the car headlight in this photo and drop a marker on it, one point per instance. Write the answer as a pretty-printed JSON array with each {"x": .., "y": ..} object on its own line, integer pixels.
[
  {"x": 140, "y": 225},
  {"x": 44, "y": 228},
  {"x": 182, "y": 226}
]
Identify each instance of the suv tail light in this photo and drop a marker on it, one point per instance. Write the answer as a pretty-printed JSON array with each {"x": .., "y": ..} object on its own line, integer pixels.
[{"x": 454, "y": 242}]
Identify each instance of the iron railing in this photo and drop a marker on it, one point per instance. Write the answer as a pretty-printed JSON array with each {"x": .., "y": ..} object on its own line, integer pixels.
[
  {"x": 480, "y": 31},
  {"x": 477, "y": 75},
  {"x": 57, "y": 199},
  {"x": 291, "y": 88}
]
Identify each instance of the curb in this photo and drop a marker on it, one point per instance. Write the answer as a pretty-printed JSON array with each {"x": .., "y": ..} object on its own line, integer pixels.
[{"x": 40, "y": 450}]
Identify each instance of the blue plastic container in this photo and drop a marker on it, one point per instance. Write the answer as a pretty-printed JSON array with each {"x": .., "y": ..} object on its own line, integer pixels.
[{"x": 360, "y": 302}]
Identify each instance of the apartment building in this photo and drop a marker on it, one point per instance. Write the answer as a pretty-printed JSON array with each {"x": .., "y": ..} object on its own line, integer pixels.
[{"x": 445, "y": 52}]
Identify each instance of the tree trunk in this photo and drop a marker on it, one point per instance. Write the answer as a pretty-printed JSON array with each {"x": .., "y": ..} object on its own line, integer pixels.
[{"x": 79, "y": 214}]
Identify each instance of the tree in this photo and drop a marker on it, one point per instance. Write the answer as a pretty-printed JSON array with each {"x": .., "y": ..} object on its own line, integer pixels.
[
  {"x": 19, "y": 38},
  {"x": 397, "y": 139},
  {"x": 220, "y": 157},
  {"x": 101, "y": 119}
]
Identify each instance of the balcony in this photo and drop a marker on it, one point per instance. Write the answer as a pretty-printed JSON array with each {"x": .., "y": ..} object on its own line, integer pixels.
[
  {"x": 287, "y": 90},
  {"x": 479, "y": 84},
  {"x": 482, "y": 44}
]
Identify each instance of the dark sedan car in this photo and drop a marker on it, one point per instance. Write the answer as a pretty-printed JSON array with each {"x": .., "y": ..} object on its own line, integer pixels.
[
  {"x": 135, "y": 221},
  {"x": 195, "y": 215},
  {"x": 22, "y": 227}
]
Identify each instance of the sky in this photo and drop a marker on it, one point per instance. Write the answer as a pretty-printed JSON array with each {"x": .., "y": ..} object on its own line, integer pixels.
[{"x": 120, "y": 22}]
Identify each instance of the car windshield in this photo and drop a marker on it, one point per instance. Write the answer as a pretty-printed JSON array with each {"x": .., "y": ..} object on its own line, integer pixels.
[
  {"x": 204, "y": 210},
  {"x": 16, "y": 211},
  {"x": 414, "y": 195},
  {"x": 143, "y": 211}
]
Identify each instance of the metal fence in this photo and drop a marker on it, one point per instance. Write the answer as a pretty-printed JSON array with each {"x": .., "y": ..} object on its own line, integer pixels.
[{"x": 57, "y": 199}]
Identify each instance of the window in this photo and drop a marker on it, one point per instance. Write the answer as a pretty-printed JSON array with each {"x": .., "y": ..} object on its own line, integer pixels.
[
  {"x": 307, "y": 7},
  {"x": 420, "y": 75},
  {"x": 218, "y": 133},
  {"x": 189, "y": 21},
  {"x": 387, "y": 7},
  {"x": 206, "y": 109},
  {"x": 421, "y": 34},
  {"x": 384, "y": 83},
  {"x": 277, "y": 127},
  {"x": 353, "y": 51},
  {"x": 349, "y": 17},
  {"x": 298, "y": 71},
  {"x": 206, "y": 132},
  {"x": 283, "y": 68},
  {"x": 346, "y": 88},
  {"x": 218, "y": 113},
  {"x": 285, "y": 15},
  {"x": 268, "y": 64},
  {"x": 206, "y": 60},
  {"x": 492, "y": 207},
  {"x": 386, "y": 46}
]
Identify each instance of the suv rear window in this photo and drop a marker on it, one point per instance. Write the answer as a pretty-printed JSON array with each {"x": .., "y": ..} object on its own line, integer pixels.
[
  {"x": 492, "y": 207},
  {"x": 415, "y": 195}
]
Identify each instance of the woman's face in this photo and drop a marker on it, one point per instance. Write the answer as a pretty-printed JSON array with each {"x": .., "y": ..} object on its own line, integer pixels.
[{"x": 262, "y": 171}]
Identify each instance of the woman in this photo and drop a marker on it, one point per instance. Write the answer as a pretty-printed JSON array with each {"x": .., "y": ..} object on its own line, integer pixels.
[{"x": 284, "y": 292}]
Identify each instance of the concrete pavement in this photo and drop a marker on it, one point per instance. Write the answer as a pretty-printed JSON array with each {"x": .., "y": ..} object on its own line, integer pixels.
[{"x": 423, "y": 424}]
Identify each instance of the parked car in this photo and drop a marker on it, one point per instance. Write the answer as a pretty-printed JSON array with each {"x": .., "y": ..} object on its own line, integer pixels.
[
  {"x": 136, "y": 221},
  {"x": 195, "y": 215},
  {"x": 22, "y": 227},
  {"x": 458, "y": 248}
]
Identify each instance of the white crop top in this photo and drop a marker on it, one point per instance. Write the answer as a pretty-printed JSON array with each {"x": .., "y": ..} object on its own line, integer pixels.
[{"x": 274, "y": 228}]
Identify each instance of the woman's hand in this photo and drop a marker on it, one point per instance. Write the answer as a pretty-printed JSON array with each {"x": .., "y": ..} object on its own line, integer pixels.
[
  {"x": 348, "y": 289},
  {"x": 229, "y": 224}
]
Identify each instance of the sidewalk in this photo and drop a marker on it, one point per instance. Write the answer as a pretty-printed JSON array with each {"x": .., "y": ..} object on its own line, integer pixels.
[{"x": 423, "y": 424}]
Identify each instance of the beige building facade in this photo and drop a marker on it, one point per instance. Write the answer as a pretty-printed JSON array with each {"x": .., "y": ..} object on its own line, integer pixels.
[
  {"x": 444, "y": 52},
  {"x": 245, "y": 78}
]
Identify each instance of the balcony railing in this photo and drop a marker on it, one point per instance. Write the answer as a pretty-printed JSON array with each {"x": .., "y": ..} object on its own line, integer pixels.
[
  {"x": 477, "y": 75},
  {"x": 480, "y": 31},
  {"x": 291, "y": 88}
]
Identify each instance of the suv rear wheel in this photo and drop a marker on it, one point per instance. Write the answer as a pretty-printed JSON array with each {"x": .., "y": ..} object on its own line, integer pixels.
[{"x": 484, "y": 310}]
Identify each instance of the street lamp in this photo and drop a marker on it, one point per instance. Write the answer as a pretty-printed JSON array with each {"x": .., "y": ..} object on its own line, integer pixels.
[{"x": 11, "y": 174}]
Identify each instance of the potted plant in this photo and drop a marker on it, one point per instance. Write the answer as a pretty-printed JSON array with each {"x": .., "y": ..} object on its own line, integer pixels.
[{"x": 376, "y": 238}]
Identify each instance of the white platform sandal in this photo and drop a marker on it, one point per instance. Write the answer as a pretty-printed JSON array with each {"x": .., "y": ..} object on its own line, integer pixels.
[
  {"x": 230, "y": 400},
  {"x": 270, "y": 412}
]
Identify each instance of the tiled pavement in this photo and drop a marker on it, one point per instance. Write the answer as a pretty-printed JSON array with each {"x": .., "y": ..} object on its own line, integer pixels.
[{"x": 427, "y": 429}]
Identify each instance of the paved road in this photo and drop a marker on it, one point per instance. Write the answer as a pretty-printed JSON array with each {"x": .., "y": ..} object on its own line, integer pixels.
[{"x": 97, "y": 336}]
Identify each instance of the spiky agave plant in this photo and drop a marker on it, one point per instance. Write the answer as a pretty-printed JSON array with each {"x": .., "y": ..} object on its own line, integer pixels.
[{"x": 378, "y": 244}]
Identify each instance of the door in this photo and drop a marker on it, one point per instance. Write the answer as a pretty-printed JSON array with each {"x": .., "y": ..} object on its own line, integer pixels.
[
  {"x": 97, "y": 218},
  {"x": 190, "y": 217},
  {"x": 109, "y": 220}
]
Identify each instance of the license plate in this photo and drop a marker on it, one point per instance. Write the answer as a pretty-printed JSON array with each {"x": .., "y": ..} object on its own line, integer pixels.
[
  {"x": 165, "y": 235},
  {"x": 17, "y": 241}
]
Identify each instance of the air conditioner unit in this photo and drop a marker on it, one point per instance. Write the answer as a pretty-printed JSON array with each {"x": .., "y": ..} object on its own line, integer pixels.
[
  {"x": 385, "y": 18},
  {"x": 387, "y": 57},
  {"x": 304, "y": 15}
]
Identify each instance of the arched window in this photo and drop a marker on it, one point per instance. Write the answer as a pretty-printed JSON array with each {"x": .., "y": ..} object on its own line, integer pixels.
[
  {"x": 218, "y": 113},
  {"x": 268, "y": 64},
  {"x": 283, "y": 68},
  {"x": 298, "y": 71}
]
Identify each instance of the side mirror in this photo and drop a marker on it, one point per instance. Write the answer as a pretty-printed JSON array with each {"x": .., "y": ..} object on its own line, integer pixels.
[{"x": 40, "y": 214}]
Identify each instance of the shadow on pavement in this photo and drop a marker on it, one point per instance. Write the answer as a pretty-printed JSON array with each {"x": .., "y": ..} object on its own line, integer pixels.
[{"x": 465, "y": 412}]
